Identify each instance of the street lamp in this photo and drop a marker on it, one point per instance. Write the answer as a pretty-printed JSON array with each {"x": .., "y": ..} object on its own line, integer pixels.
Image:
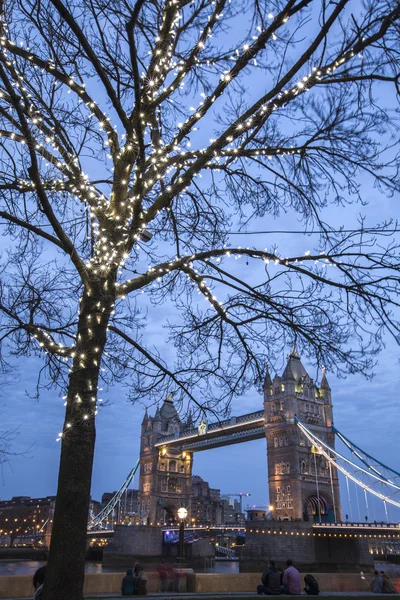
[{"x": 182, "y": 514}]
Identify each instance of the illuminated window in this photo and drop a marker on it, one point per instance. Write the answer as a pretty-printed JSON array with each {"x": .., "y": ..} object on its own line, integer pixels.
[
  {"x": 172, "y": 465},
  {"x": 172, "y": 484}
]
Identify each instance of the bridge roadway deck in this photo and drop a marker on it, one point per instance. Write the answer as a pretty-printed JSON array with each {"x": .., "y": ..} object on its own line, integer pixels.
[
  {"x": 357, "y": 529},
  {"x": 222, "y": 433},
  {"x": 344, "y": 529}
]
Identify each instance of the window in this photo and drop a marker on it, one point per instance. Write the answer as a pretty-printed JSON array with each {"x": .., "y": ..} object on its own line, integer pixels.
[
  {"x": 182, "y": 469},
  {"x": 172, "y": 465},
  {"x": 302, "y": 440},
  {"x": 147, "y": 486},
  {"x": 282, "y": 468},
  {"x": 288, "y": 489},
  {"x": 164, "y": 484},
  {"x": 282, "y": 404},
  {"x": 172, "y": 484},
  {"x": 163, "y": 466},
  {"x": 147, "y": 467},
  {"x": 275, "y": 442},
  {"x": 281, "y": 442}
]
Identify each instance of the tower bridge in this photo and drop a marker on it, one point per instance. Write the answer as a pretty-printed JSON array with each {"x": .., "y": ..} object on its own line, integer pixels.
[
  {"x": 168, "y": 446},
  {"x": 303, "y": 462}
]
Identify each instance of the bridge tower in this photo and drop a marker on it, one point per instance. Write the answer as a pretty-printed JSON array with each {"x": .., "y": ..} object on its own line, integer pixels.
[
  {"x": 302, "y": 484},
  {"x": 166, "y": 473}
]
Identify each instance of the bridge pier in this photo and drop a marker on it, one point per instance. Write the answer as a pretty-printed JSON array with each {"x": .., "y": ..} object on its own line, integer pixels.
[
  {"x": 309, "y": 550},
  {"x": 131, "y": 544}
]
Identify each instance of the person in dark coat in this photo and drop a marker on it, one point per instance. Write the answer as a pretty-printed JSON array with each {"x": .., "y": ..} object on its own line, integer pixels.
[
  {"x": 128, "y": 586},
  {"x": 38, "y": 581},
  {"x": 377, "y": 583},
  {"x": 141, "y": 580},
  {"x": 271, "y": 580},
  {"x": 38, "y": 578},
  {"x": 311, "y": 585},
  {"x": 388, "y": 585}
]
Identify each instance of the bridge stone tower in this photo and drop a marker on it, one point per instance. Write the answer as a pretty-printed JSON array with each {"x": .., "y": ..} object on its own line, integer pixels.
[
  {"x": 165, "y": 474},
  {"x": 302, "y": 484}
]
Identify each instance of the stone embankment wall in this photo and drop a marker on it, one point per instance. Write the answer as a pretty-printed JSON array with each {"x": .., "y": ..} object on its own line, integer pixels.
[{"x": 20, "y": 586}]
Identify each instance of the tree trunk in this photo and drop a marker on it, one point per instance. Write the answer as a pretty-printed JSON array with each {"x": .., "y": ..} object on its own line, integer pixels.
[{"x": 66, "y": 564}]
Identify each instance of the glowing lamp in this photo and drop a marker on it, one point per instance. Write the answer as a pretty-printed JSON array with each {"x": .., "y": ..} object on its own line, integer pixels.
[{"x": 182, "y": 512}]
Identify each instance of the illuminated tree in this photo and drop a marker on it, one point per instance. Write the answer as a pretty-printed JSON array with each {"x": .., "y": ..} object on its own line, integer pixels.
[{"x": 106, "y": 113}]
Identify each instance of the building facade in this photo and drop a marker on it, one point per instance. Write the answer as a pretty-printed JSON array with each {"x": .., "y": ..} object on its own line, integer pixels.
[
  {"x": 165, "y": 474},
  {"x": 302, "y": 483}
]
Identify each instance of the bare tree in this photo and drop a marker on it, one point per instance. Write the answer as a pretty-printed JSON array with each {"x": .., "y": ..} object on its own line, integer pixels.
[{"x": 106, "y": 112}]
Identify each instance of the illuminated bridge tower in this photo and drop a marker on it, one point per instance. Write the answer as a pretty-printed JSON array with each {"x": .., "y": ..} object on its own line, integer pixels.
[
  {"x": 302, "y": 484},
  {"x": 165, "y": 474}
]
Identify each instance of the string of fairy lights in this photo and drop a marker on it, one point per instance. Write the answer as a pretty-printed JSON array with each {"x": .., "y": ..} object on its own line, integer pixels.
[{"x": 119, "y": 221}]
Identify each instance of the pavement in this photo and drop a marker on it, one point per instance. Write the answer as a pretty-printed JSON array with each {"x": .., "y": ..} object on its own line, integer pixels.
[{"x": 233, "y": 596}]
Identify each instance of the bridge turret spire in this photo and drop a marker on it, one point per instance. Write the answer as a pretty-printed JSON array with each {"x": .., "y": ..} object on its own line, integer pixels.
[
  {"x": 157, "y": 416},
  {"x": 324, "y": 381},
  {"x": 146, "y": 416},
  {"x": 294, "y": 370},
  {"x": 267, "y": 385}
]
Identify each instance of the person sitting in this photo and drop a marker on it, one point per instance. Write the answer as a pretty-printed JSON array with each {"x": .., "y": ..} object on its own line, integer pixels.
[
  {"x": 128, "y": 586},
  {"x": 291, "y": 580},
  {"x": 271, "y": 580},
  {"x": 311, "y": 585},
  {"x": 376, "y": 583},
  {"x": 388, "y": 585},
  {"x": 141, "y": 580}
]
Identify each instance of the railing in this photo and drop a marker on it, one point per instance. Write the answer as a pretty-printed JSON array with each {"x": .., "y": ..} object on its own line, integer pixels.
[
  {"x": 234, "y": 435},
  {"x": 377, "y": 525},
  {"x": 229, "y": 552}
]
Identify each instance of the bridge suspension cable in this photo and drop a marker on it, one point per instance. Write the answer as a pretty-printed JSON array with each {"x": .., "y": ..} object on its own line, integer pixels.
[
  {"x": 97, "y": 521},
  {"x": 365, "y": 457},
  {"x": 361, "y": 476}
]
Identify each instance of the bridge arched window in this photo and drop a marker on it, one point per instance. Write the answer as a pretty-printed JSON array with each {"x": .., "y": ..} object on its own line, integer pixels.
[
  {"x": 172, "y": 465},
  {"x": 172, "y": 484}
]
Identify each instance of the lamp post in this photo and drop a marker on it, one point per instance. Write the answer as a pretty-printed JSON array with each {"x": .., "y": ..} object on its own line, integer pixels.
[{"x": 182, "y": 514}]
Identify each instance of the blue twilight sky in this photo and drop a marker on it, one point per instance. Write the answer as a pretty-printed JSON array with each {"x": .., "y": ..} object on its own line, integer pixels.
[{"x": 367, "y": 411}]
